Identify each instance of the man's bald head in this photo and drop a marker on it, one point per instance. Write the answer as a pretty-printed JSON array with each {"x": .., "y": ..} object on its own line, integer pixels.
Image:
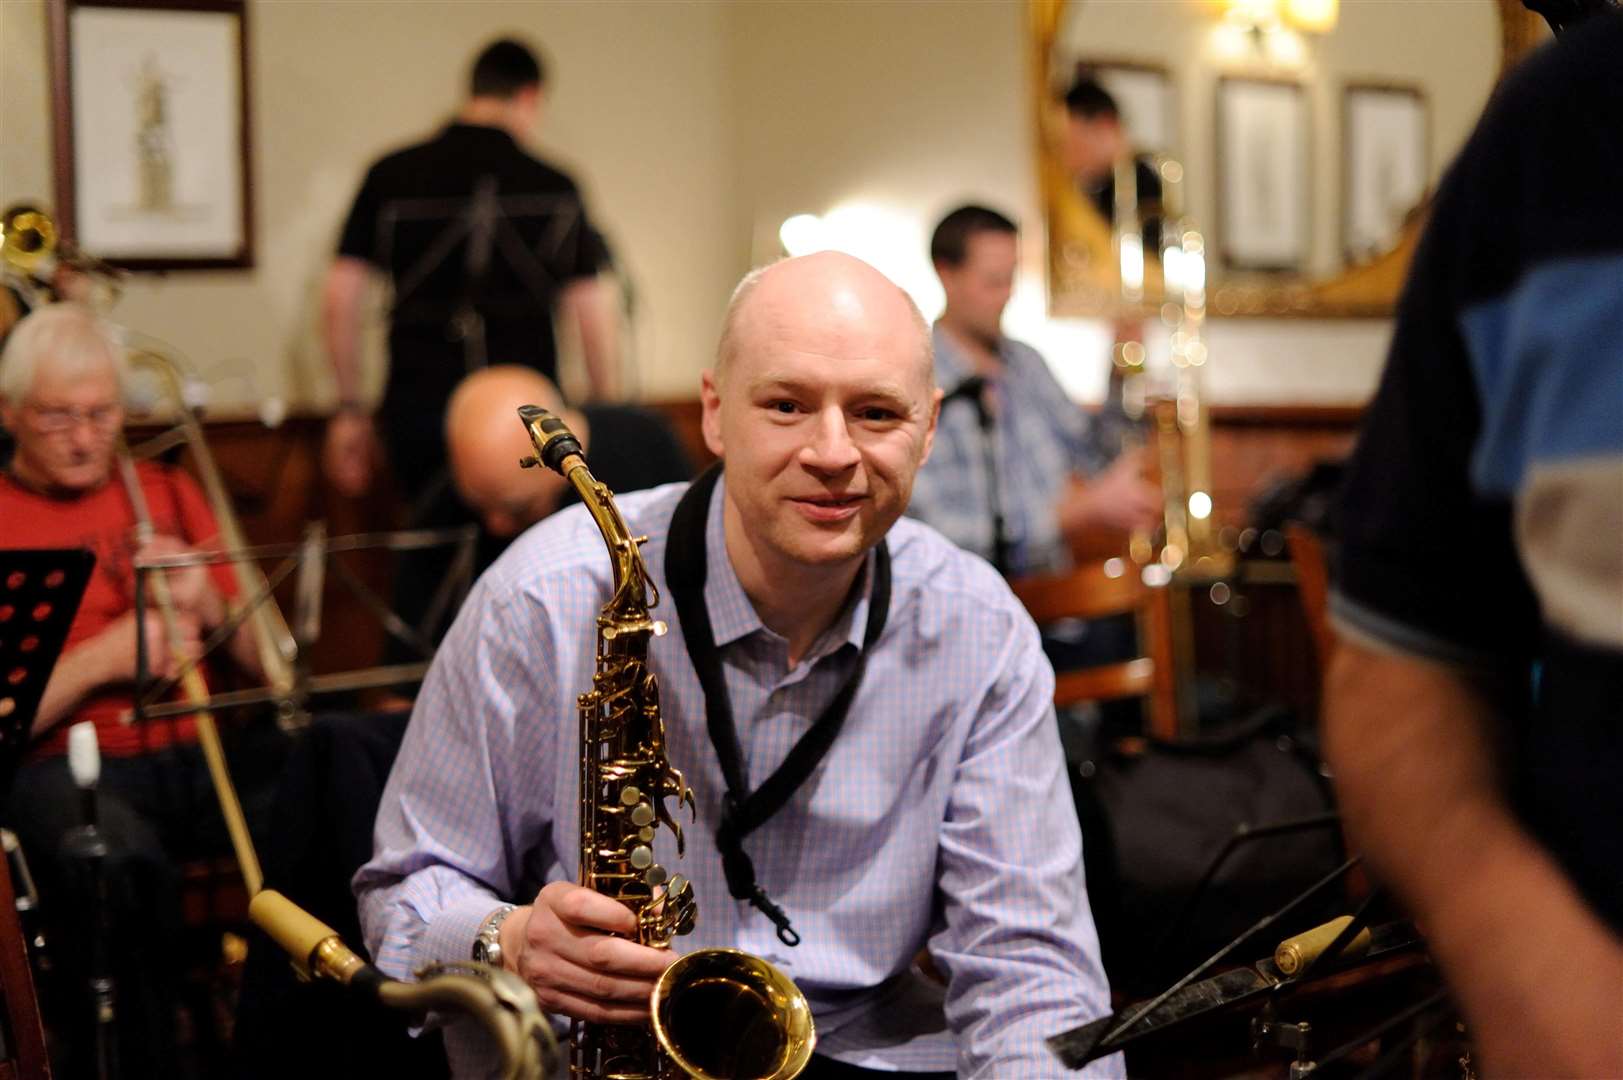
[
  {"x": 828, "y": 285},
  {"x": 485, "y": 441}
]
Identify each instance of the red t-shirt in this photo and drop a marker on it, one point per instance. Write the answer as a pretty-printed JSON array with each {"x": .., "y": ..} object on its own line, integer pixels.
[{"x": 104, "y": 522}]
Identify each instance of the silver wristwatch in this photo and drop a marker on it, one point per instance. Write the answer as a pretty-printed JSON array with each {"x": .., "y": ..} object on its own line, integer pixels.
[{"x": 487, "y": 943}]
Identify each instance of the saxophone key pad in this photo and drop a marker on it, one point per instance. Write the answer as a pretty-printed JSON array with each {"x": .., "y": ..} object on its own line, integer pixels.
[
  {"x": 642, "y": 814},
  {"x": 630, "y": 795},
  {"x": 642, "y": 857},
  {"x": 646, "y": 835},
  {"x": 655, "y": 877}
]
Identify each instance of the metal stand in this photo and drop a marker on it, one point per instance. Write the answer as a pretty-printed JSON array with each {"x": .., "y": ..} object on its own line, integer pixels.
[{"x": 85, "y": 843}]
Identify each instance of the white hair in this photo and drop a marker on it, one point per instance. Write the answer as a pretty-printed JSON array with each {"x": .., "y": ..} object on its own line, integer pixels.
[{"x": 69, "y": 338}]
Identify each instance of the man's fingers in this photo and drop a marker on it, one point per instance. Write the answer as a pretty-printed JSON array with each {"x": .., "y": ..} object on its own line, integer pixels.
[
  {"x": 596, "y": 1012},
  {"x": 561, "y": 976},
  {"x": 579, "y": 906},
  {"x": 617, "y": 956}
]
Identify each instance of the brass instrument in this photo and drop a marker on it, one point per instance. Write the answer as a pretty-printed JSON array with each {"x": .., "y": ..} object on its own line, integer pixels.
[
  {"x": 277, "y": 649},
  {"x": 31, "y": 251},
  {"x": 191, "y": 684},
  {"x": 497, "y": 999},
  {"x": 27, "y": 243},
  {"x": 1179, "y": 414},
  {"x": 275, "y": 642},
  {"x": 716, "y": 1013}
]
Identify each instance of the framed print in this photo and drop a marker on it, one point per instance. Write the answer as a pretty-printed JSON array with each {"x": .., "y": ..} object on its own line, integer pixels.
[
  {"x": 151, "y": 130},
  {"x": 1386, "y": 136},
  {"x": 1263, "y": 194},
  {"x": 1143, "y": 93}
]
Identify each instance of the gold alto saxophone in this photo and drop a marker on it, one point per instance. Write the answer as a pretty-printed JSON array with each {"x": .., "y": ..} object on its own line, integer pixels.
[{"x": 716, "y": 1013}]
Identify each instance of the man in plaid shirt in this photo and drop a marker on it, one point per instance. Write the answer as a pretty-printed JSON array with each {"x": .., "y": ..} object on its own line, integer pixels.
[{"x": 1056, "y": 481}]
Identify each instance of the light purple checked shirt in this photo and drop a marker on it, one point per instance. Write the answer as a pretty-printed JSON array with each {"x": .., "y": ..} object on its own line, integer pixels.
[{"x": 941, "y": 815}]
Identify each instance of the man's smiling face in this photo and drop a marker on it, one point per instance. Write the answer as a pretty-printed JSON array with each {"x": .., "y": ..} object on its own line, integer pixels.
[{"x": 823, "y": 409}]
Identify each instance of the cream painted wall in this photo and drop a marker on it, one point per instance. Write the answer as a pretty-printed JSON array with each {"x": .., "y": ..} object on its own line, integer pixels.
[
  {"x": 696, "y": 129},
  {"x": 640, "y": 114}
]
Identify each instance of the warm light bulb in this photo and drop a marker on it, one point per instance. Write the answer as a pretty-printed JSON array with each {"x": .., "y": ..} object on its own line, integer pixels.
[
  {"x": 1132, "y": 267},
  {"x": 1200, "y": 505},
  {"x": 1313, "y": 16}
]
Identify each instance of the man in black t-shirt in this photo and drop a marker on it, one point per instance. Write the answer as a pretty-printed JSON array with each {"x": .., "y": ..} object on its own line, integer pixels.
[
  {"x": 481, "y": 242},
  {"x": 1474, "y": 712}
]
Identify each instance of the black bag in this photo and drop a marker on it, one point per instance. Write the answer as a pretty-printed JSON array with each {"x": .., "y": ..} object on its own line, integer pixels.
[{"x": 1155, "y": 815}]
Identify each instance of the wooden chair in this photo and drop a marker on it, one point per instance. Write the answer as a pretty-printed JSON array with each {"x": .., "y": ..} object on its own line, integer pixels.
[
  {"x": 22, "y": 1051},
  {"x": 1097, "y": 590},
  {"x": 1313, "y": 586}
]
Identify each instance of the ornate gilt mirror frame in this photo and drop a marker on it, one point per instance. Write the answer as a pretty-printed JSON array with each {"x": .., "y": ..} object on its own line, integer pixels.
[{"x": 1079, "y": 285}]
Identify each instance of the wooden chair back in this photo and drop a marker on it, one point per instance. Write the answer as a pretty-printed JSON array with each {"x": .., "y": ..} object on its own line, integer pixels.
[
  {"x": 1313, "y": 586},
  {"x": 1097, "y": 590}
]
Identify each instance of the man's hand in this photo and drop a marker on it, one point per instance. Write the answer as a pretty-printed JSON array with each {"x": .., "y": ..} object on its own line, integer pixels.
[
  {"x": 1117, "y": 498},
  {"x": 349, "y": 455},
  {"x": 108, "y": 659},
  {"x": 561, "y": 946},
  {"x": 1538, "y": 975},
  {"x": 115, "y": 646},
  {"x": 189, "y": 586}
]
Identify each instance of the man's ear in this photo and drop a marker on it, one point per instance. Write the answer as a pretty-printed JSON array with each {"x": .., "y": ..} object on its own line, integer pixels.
[
  {"x": 710, "y": 397},
  {"x": 935, "y": 414}
]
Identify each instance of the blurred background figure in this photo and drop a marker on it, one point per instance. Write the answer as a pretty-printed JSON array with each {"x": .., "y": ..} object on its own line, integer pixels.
[
  {"x": 1094, "y": 139},
  {"x": 1050, "y": 482},
  {"x": 483, "y": 245},
  {"x": 61, "y": 398},
  {"x": 629, "y": 448}
]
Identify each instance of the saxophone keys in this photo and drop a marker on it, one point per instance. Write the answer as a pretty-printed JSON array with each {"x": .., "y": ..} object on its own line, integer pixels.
[
  {"x": 642, "y": 815},
  {"x": 655, "y": 877},
  {"x": 646, "y": 835},
  {"x": 642, "y": 856},
  {"x": 630, "y": 795}
]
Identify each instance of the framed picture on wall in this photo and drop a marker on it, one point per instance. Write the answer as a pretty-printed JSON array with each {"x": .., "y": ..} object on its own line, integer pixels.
[
  {"x": 151, "y": 131},
  {"x": 1264, "y": 198},
  {"x": 1144, "y": 94},
  {"x": 1385, "y": 128}
]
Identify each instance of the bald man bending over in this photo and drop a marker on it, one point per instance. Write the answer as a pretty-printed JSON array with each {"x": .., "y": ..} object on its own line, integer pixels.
[
  {"x": 630, "y": 449},
  {"x": 939, "y": 816}
]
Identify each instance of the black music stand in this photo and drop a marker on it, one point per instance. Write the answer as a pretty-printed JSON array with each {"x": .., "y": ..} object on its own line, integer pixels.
[{"x": 40, "y": 592}]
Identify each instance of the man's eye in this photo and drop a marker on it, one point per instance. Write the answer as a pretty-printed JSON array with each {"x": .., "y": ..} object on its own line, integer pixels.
[
  {"x": 787, "y": 408},
  {"x": 876, "y": 414}
]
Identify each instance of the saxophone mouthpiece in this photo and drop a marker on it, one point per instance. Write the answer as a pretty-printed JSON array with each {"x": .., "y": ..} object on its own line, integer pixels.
[{"x": 553, "y": 440}]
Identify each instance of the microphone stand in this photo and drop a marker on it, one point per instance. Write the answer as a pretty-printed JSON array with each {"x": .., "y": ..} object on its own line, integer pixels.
[
  {"x": 86, "y": 842},
  {"x": 973, "y": 390}
]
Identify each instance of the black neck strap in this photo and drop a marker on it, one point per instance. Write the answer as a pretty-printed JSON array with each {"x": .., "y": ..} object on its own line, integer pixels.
[{"x": 742, "y": 811}]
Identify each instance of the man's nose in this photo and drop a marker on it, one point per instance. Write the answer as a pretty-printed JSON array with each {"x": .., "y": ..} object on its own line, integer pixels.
[
  {"x": 830, "y": 448},
  {"x": 86, "y": 434}
]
